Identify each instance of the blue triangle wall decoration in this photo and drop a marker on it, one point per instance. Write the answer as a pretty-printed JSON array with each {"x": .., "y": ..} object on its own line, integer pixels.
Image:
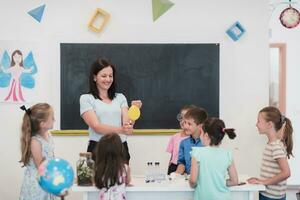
[{"x": 37, "y": 13}]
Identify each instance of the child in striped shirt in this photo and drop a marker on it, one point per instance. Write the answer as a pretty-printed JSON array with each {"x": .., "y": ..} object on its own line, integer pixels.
[{"x": 275, "y": 168}]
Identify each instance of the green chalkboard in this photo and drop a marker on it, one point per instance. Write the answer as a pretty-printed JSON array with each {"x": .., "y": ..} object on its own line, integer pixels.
[{"x": 164, "y": 76}]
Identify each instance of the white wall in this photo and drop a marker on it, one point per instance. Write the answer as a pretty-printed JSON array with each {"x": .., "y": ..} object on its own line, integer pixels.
[
  {"x": 280, "y": 34},
  {"x": 243, "y": 68}
]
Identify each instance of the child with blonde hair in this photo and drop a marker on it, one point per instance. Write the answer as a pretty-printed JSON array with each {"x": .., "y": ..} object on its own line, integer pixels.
[
  {"x": 36, "y": 145},
  {"x": 275, "y": 168}
]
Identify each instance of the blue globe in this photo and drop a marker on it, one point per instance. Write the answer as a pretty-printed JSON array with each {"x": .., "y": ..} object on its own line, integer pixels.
[{"x": 55, "y": 176}]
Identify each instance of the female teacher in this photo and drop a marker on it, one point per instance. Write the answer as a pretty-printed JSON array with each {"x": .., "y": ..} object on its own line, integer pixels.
[{"x": 104, "y": 110}]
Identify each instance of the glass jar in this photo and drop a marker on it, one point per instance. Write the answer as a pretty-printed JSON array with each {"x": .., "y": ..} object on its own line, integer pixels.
[{"x": 85, "y": 169}]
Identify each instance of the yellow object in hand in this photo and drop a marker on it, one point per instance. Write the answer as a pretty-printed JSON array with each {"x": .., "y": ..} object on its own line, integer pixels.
[{"x": 134, "y": 113}]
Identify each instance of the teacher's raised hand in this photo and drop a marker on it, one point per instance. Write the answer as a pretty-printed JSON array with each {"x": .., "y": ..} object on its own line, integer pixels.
[
  {"x": 137, "y": 103},
  {"x": 134, "y": 111}
]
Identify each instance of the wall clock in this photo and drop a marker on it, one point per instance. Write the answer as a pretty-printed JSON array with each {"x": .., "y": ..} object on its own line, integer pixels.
[{"x": 290, "y": 17}]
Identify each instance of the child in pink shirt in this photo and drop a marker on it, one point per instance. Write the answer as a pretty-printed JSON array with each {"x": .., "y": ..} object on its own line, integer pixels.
[{"x": 174, "y": 142}]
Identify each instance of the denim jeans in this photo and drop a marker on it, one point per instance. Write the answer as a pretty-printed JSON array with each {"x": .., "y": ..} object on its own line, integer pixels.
[{"x": 262, "y": 197}]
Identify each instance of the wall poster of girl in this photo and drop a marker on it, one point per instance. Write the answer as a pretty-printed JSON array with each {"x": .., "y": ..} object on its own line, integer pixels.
[{"x": 16, "y": 72}]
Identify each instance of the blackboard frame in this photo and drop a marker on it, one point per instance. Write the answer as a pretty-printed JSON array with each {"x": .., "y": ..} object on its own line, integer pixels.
[{"x": 64, "y": 61}]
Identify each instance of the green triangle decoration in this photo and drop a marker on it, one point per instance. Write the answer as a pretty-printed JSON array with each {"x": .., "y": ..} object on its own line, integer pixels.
[{"x": 159, "y": 7}]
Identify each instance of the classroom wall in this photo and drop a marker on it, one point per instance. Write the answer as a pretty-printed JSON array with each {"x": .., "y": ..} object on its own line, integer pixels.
[
  {"x": 280, "y": 34},
  {"x": 243, "y": 69}
]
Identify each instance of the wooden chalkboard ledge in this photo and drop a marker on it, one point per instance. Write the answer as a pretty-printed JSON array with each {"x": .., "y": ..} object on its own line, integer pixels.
[{"x": 135, "y": 132}]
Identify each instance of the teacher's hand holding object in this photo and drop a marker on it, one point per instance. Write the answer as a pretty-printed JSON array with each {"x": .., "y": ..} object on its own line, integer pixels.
[
  {"x": 134, "y": 113},
  {"x": 137, "y": 103},
  {"x": 103, "y": 109}
]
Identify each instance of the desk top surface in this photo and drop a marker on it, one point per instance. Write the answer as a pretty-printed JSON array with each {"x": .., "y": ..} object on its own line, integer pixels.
[{"x": 180, "y": 185}]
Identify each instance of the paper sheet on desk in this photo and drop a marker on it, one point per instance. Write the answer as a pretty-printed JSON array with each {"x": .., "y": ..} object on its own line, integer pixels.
[
  {"x": 180, "y": 181},
  {"x": 174, "y": 176}
]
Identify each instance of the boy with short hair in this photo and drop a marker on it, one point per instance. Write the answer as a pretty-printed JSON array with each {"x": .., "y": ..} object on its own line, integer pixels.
[{"x": 194, "y": 119}]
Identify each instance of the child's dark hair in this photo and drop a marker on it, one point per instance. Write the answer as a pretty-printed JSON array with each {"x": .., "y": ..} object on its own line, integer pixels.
[
  {"x": 96, "y": 67},
  {"x": 31, "y": 126},
  {"x": 110, "y": 163},
  {"x": 274, "y": 115},
  {"x": 198, "y": 114},
  {"x": 215, "y": 128}
]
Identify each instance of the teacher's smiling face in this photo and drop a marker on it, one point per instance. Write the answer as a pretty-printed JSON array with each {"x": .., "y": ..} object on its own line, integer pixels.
[{"x": 104, "y": 78}]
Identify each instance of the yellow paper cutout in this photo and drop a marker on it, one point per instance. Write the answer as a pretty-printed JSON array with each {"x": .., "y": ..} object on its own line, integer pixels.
[{"x": 134, "y": 113}]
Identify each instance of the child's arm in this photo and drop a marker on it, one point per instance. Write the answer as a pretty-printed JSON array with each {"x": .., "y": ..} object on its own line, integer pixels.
[
  {"x": 194, "y": 173},
  {"x": 36, "y": 151},
  {"x": 181, "y": 167},
  {"x": 170, "y": 148},
  {"x": 282, "y": 175},
  {"x": 233, "y": 177},
  {"x": 128, "y": 176}
]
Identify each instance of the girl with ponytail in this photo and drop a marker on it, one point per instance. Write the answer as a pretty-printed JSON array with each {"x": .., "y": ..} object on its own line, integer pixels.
[
  {"x": 275, "y": 168},
  {"x": 211, "y": 163},
  {"x": 36, "y": 146}
]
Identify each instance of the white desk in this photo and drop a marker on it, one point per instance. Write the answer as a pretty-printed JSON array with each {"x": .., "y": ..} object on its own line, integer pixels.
[{"x": 168, "y": 190}]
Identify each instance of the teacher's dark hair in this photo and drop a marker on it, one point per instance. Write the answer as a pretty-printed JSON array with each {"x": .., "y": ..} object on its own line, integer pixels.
[{"x": 97, "y": 66}]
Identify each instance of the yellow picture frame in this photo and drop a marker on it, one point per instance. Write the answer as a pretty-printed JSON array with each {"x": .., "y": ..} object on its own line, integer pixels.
[{"x": 98, "y": 12}]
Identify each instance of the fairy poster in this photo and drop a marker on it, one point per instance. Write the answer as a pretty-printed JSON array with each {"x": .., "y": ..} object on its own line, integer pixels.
[{"x": 18, "y": 71}]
